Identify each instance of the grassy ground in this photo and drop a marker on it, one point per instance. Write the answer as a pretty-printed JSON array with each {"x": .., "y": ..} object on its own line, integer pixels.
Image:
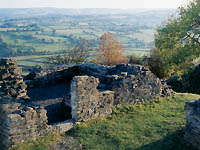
[
  {"x": 39, "y": 144},
  {"x": 151, "y": 126},
  {"x": 155, "y": 125},
  {"x": 31, "y": 60}
]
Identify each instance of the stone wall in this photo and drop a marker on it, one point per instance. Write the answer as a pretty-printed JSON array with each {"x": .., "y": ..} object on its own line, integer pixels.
[
  {"x": 129, "y": 84},
  {"x": 133, "y": 89},
  {"x": 192, "y": 133},
  {"x": 51, "y": 75},
  {"x": 19, "y": 123},
  {"x": 45, "y": 77},
  {"x": 11, "y": 81},
  {"x": 86, "y": 101},
  {"x": 95, "y": 90}
]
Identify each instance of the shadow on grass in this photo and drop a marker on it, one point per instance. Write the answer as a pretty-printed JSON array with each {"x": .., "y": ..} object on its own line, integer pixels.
[{"x": 174, "y": 141}]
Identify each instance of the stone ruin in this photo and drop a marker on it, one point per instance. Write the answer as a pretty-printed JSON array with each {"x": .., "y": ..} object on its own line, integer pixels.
[
  {"x": 192, "y": 133},
  {"x": 58, "y": 97},
  {"x": 11, "y": 81}
]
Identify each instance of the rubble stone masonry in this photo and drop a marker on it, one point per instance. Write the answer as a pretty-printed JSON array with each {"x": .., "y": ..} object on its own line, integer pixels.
[
  {"x": 87, "y": 101},
  {"x": 20, "y": 123},
  {"x": 94, "y": 91},
  {"x": 192, "y": 133},
  {"x": 11, "y": 81}
]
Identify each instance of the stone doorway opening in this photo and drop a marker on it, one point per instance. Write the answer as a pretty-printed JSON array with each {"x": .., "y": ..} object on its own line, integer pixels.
[{"x": 52, "y": 98}]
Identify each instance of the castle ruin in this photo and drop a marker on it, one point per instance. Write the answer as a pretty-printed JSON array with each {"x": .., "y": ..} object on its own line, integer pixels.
[{"x": 52, "y": 99}]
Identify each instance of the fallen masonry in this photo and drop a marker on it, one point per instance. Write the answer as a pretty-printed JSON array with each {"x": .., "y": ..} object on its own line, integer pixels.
[{"x": 60, "y": 96}]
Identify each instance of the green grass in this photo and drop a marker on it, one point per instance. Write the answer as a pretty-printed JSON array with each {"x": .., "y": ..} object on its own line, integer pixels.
[
  {"x": 31, "y": 60},
  {"x": 157, "y": 125},
  {"x": 42, "y": 143},
  {"x": 52, "y": 47}
]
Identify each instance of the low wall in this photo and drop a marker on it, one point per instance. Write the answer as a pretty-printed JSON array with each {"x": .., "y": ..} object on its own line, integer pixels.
[
  {"x": 52, "y": 75},
  {"x": 21, "y": 123},
  {"x": 131, "y": 89},
  {"x": 192, "y": 133},
  {"x": 86, "y": 101}
]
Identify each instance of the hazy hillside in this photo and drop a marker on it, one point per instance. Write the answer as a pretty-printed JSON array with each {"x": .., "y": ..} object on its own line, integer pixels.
[{"x": 6, "y": 13}]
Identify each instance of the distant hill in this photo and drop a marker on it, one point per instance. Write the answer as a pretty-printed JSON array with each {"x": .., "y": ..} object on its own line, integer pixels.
[{"x": 6, "y": 13}]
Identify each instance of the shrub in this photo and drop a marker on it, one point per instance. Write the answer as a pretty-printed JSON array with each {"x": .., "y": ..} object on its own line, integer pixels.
[
  {"x": 155, "y": 63},
  {"x": 77, "y": 55}
]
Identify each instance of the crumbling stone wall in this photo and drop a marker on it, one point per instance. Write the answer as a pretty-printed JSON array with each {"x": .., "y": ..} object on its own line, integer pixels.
[
  {"x": 93, "y": 94},
  {"x": 50, "y": 75},
  {"x": 86, "y": 101},
  {"x": 11, "y": 81},
  {"x": 133, "y": 84},
  {"x": 44, "y": 77},
  {"x": 130, "y": 84},
  {"x": 192, "y": 132},
  {"x": 20, "y": 123},
  {"x": 133, "y": 89}
]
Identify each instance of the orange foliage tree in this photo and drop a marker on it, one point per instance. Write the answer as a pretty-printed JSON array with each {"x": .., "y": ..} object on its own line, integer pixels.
[{"x": 109, "y": 51}]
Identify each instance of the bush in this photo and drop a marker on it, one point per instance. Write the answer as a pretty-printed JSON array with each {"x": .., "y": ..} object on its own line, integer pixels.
[
  {"x": 156, "y": 64},
  {"x": 133, "y": 59},
  {"x": 77, "y": 55}
]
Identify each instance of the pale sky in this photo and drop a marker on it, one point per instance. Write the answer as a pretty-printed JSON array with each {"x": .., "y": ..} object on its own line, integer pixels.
[{"x": 93, "y": 3}]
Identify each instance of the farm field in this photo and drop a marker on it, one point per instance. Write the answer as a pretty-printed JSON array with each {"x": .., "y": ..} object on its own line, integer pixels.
[{"x": 32, "y": 37}]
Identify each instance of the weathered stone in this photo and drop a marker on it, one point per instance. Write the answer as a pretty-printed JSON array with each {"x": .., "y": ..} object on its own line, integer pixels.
[
  {"x": 11, "y": 81},
  {"x": 92, "y": 95},
  {"x": 20, "y": 123},
  {"x": 63, "y": 127},
  {"x": 192, "y": 133},
  {"x": 86, "y": 101}
]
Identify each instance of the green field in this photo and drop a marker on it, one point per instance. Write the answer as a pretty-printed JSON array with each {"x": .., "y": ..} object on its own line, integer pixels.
[
  {"x": 32, "y": 39},
  {"x": 155, "y": 125},
  {"x": 31, "y": 60}
]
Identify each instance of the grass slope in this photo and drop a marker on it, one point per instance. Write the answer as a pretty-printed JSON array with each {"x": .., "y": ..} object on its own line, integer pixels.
[
  {"x": 157, "y": 125},
  {"x": 42, "y": 143}
]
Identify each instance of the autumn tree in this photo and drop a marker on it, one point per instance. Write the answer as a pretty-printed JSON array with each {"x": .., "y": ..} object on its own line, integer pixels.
[{"x": 109, "y": 51}]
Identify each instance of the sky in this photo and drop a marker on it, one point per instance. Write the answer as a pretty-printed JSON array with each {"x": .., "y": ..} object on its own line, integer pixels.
[{"x": 93, "y": 3}]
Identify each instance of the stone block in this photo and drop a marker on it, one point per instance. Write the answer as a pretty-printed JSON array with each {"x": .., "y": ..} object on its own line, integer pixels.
[{"x": 192, "y": 132}]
